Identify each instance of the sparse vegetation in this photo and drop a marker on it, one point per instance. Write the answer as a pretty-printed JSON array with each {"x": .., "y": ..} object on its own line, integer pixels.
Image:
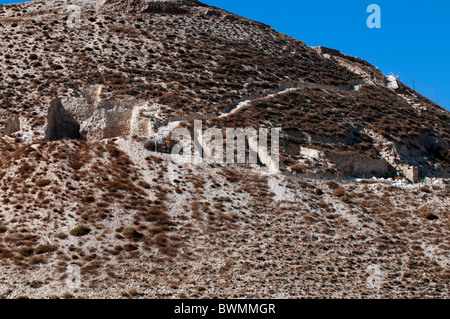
[
  {"x": 61, "y": 235},
  {"x": 46, "y": 248},
  {"x": 80, "y": 231},
  {"x": 43, "y": 182},
  {"x": 67, "y": 295},
  {"x": 26, "y": 251},
  {"x": 429, "y": 215}
]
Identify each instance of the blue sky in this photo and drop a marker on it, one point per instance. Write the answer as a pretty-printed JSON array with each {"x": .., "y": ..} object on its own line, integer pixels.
[{"x": 414, "y": 38}]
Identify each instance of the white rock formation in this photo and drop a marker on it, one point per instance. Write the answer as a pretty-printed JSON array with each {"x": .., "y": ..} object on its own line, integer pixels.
[
  {"x": 87, "y": 116},
  {"x": 311, "y": 153},
  {"x": 392, "y": 82}
]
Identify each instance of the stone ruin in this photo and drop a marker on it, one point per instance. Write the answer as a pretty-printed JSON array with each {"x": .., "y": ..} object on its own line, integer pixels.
[
  {"x": 86, "y": 116},
  {"x": 411, "y": 173}
]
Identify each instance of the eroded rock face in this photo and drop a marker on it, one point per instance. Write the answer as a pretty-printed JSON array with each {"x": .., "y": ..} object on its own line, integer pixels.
[
  {"x": 61, "y": 123},
  {"x": 88, "y": 117}
]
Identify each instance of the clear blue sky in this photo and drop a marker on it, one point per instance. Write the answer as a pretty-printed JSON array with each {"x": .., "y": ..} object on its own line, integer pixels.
[{"x": 414, "y": 38}]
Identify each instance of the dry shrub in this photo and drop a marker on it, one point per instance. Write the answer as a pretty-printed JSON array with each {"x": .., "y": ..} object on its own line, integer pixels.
[
  {"x": 26, "y": 251},
  {"x": 345, "y": 199},
  {"x": 131, "y": 233},
  {"x": 332, "y": 185},
  {"x": 318, "y": 191},
  {"x": 425, "y": 189},
  {"x": 88, "y": 199},
  {"x": 46, "y": 248},
  {"x": 429, "y": 215},
  {"x": 36, "y": 260},
  {"x": 43, "y": 182},
  {"x": 5, "y": 253},
  {"x": 144, "y": 184},
  {"x": 339, "y": 192}
]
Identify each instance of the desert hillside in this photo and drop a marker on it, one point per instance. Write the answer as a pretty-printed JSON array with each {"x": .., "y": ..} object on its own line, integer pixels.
[{"x": 90, "y": 95}]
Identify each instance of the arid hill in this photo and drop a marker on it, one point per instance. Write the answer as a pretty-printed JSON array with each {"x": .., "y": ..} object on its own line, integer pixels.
[{"x": 89, "y": 96}]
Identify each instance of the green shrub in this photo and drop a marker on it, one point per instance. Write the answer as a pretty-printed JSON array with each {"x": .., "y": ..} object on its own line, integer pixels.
[
  {"x": 43, "y": 249},
  {"x": 80, "y": 231},
  {"x": 61, "y": 236}
]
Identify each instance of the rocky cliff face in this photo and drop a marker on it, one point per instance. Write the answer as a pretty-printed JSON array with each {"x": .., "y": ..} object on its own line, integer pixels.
[{"x": 90, "y": 94}]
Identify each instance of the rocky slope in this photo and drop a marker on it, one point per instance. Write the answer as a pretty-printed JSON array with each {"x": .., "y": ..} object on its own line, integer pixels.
[{"x": 90, "y": 93}]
